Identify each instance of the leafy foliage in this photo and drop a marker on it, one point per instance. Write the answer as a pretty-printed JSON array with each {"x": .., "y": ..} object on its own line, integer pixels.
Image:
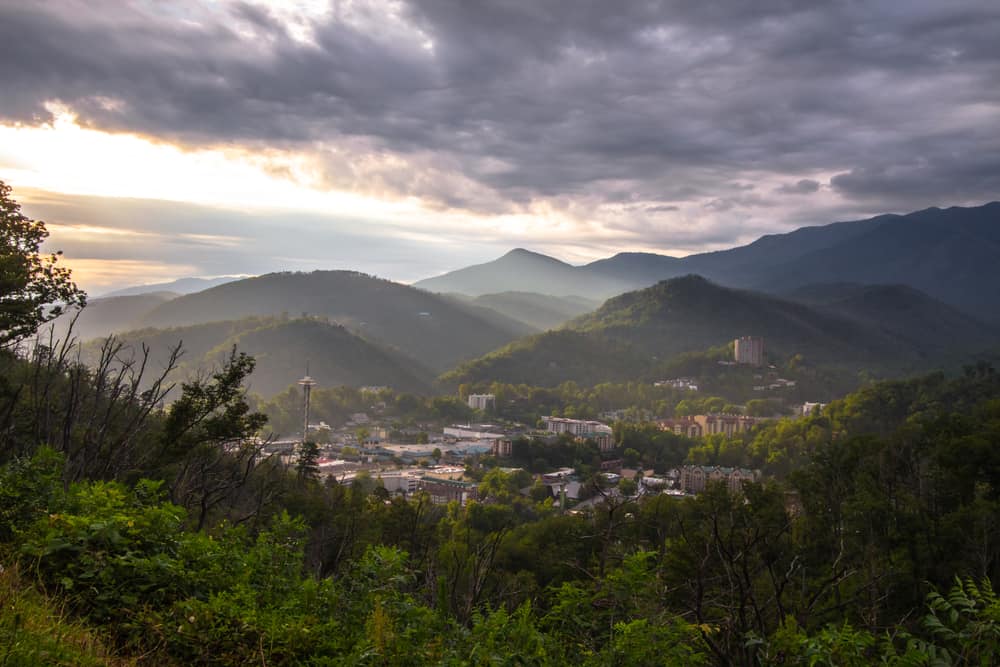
[{"x": 33, "y": 289}]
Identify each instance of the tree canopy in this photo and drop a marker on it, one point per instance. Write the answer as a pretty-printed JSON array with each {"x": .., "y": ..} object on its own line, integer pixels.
[{"x": 33, "y": 289}]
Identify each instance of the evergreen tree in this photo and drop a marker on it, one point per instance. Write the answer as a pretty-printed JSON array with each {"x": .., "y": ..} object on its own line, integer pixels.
[{"x": 308, "y": 463}]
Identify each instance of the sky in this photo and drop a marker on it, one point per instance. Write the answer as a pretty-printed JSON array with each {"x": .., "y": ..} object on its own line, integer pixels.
[{"x": 408, "y": 138}]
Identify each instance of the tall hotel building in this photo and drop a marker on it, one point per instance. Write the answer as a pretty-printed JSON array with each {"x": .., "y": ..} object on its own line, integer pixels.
[{"x": 749, "y": 350}]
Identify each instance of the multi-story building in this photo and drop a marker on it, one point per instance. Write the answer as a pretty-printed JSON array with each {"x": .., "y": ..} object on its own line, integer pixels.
[
  {"x": 711, "y": 424},
  {"x": 728, "y": 425},
  {"x": 404, "y": 481},
  {"x": 749, "y": 350},
  {"x": 685, "y": 426},
  {"x": 442, "y": 490},
  {"x": 605, "y": 440},
  {"x": 502, "y": 447},
  {"x": 582, "y": 428},
  {"x": 574, "y": 426},
  {"x": 482, "y": 401},
  {"x": 694, "y": 479}
]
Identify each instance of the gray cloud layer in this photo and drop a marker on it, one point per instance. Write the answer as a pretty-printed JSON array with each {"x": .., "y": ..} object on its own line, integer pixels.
[{"x": 491, "y": 106}]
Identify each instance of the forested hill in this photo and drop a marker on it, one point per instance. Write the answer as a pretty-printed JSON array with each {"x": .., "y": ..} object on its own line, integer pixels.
[
  {"x": 876, "y": 324},
  {"x": 436, "y": 331},
  {"x": 282, "y": 348},
  {"x": 554, "y": 357},
  {"x": 690, "y": 313},
  {"x": 905, "y": 313},
  {"x": 891, "y": 332}
]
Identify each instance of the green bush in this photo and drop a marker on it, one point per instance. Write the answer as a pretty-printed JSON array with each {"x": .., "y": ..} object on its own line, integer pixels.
[{"x": 29, "y": 489}]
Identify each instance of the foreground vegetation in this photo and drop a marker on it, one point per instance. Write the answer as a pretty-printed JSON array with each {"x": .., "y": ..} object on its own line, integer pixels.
[
  {"x": 131, "y": 532},
  {"x": 876, "y": 541}
]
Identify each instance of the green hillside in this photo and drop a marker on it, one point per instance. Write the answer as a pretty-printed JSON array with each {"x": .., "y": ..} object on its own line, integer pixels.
[
  {"x": 691, "y": 313},
  {"x": 553, "y": 357},
  {"x": 282, "y": 349},
  {"x": 635, "y": 335},
  {"x": 907, "y": 314},
  {"x": 436, "y": 331}
]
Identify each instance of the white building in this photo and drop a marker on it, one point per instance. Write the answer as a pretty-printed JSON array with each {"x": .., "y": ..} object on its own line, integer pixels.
[
  {"x": 402, "y": 481},
  {"x": 574, "y": 426},
  {"x": 582, "y": 428},
  {"x": 482, "y": 401},
  {"x": 812, "y": 408}
]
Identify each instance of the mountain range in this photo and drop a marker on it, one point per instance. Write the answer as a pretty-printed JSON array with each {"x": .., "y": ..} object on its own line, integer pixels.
[
  {"x": 437, "y": 331},
  {"x": 179, "y": 286},
  {"x": 950, "y": 254},
  {"x": 892, "y": 293}
]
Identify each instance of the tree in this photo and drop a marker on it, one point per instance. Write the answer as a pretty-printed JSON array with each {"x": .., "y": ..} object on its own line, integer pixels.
[
  {"x": 631, "y": 457},
  {"x": 307, "y": 466},
  {"x": 33, "y": 290},
  {"x": 209, "y": 446}
]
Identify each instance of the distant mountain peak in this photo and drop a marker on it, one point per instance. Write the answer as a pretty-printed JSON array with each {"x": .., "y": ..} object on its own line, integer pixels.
[
  {"x": 519, "y": 270},
  {"x": 523, "y": 253}
]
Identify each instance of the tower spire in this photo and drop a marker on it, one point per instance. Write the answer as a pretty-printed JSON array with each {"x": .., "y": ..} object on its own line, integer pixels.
[{"x": 307, "y": 384}]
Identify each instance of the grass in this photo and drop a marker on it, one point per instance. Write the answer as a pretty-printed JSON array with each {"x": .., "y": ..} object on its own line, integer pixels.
[{"x": 36, "y": 630}]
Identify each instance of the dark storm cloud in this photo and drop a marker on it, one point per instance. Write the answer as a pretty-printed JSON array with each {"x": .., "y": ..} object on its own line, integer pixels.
[
  {"x": 491, "y": 106},
  {"x": 920, "y": 177}
]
